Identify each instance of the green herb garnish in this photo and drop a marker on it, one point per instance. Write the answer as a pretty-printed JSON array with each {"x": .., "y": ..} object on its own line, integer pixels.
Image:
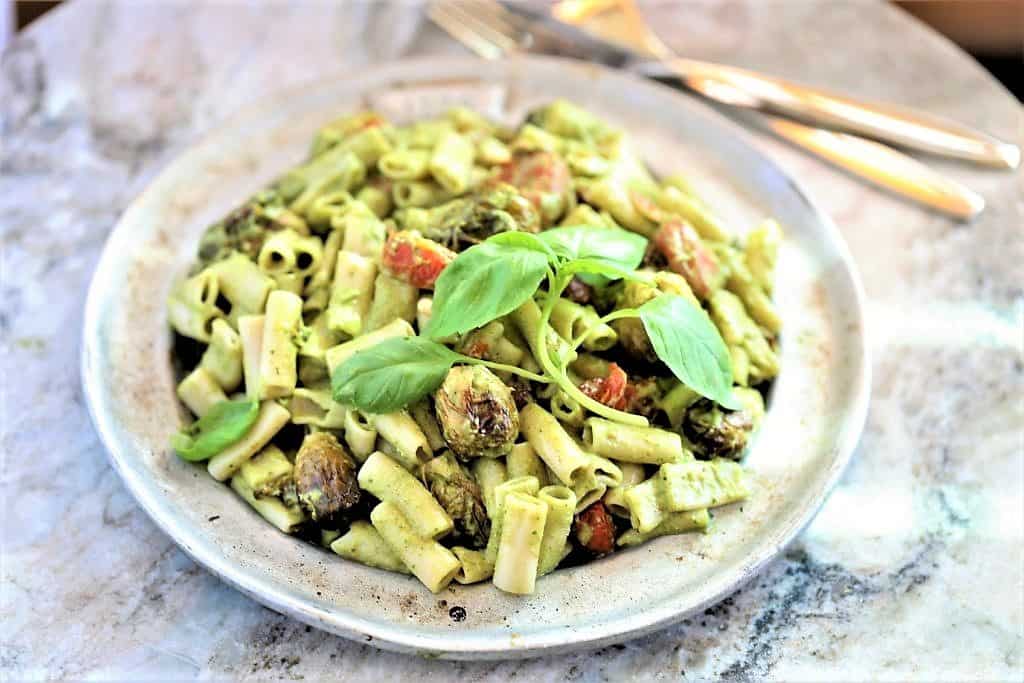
[
  {"x": 223, "y": 425},
  {"x": 494, "y": 278}
]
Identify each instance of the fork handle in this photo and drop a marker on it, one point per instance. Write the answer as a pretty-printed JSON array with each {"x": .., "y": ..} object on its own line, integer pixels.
[
  {"x": 883, "y": 166},
  {"x": 830, "y": 110}
]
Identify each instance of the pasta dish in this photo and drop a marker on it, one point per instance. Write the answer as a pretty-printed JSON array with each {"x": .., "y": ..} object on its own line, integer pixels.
[{"x": 467, "y": 352}]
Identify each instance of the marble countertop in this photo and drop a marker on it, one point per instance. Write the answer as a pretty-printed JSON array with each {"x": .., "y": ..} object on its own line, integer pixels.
[{"x": 913, "y": 569}]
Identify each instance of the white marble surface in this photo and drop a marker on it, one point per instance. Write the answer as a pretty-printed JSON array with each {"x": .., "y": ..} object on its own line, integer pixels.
[{"x": 913, "y": 570}]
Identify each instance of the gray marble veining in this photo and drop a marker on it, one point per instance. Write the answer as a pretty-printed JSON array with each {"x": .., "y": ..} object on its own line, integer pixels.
[{"x": 912, "y": 570}]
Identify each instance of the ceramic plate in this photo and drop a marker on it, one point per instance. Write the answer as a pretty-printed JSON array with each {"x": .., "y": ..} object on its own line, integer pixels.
[{"x": 816, "y": 411}]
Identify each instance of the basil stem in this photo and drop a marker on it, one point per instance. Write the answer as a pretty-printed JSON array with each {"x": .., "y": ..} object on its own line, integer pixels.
[
  {"x": 470, "y": 360},
  {"x": 555, "y": 288},
  {"x": 614, "y": 315}
]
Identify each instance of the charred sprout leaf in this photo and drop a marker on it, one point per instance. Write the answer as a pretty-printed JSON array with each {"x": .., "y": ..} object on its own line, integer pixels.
[
  {"x": 483, "y": 283},
  {"x": 458, "y": 493},
  {"x": 476, "y": 411},
  {"x": 497, "y": 208},
  {"x": 716, "y": 432},
  {"x": 246, "y": 228},
  {"x": 325, "y": 477},
  {"x": 226, "y": 423},
  {"x": 392, "y": 374},
  {"x": 688, "y": 343}
]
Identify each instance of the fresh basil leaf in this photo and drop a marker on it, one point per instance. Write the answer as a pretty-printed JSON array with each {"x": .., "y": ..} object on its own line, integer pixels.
[
  {"x": 223, "y": 425},
  {"x": 613, "y": 245},
  {"x": 588, "y": 267},
  {"x": 525, "y": 240},
  {"x": 392, "y": 374},
  {"x": 687, "y": 342},
  {"x": 483, "y": 283}
]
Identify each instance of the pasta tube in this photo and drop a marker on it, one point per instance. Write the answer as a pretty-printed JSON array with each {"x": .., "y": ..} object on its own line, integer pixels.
[
  {"x": 694, "y": 212},
  {"x": 673, "y": 523},
  {"x": 644, "y": 505},
  {"x": 402, "y": 432},
  {"x": 429, "y": 561},
  {"x": 378, "y": 198},
  {"x": 393, "y": 299},
  {"x": 250, "y": 331},
  {"x": 631, "y": 444},
  {"x": 191, "y": 307},
  {"x": 515, "y": 570},
  {"x": 243, "y": 284},
  {"x": 336, "y": 355},
  {"x": 287, "y": 518},
  {"x": 425, "y": 419},
  {"x": 390, "y": 482},
  {"x": 561, "y": 503},
  {"x": 405, "y": 164},
  {"x": 278, "y": 371},
  {"x": 419, "y": 194},
  {"x": 223, "y": 357},
  {"x": 360, "y": 434},
  {"x": 571, "y": 320},
  {"x": 473, "y": 566},
  {"x": 701, "y": 484},
  {"x": 527, "y": 485},
  {"x": 632, "y": 474},
  {"x": 452, "y": 161},
  {"x": 268, "y": 423},
  {"x": 762, "y": 251},
  {"x": 555, "y": 447},
  {"x": 199, "y": 391},
  {"x": 351, "y": 293},
  {"x": 363, "y": 544},
  {"x": 489, "y": 473},
  {"x": 316, "y": 407},
  {"x": 522, "y": 461}
]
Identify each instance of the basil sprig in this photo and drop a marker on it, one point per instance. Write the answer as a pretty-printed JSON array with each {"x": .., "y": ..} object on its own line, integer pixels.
[
  {"x": 690, "y": 345},
  {"x": 494, "y": 278},
  {"x": 224, "y": 424},
  {"x": 391, "y": 375}
]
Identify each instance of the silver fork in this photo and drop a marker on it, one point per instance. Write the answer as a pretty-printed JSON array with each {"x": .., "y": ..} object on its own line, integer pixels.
[{"x": 492, "y": 32}]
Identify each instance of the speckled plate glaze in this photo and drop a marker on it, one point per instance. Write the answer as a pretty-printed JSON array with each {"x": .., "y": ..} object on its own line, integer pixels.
[{"x": 817, "y": 407}]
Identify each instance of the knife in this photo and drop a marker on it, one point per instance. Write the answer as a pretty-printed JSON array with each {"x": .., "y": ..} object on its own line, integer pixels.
[{"x": 744, "y": 88}]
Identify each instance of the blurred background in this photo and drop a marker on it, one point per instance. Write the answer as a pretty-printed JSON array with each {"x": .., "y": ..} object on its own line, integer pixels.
[{"x": 990, "y": 30}]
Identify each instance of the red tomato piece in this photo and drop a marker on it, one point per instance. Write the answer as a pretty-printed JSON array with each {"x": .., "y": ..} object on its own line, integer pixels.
[
  {"x": 687, "y": 255},
  {"x": 413, "y": 258},
  {"x": 595, "y": 530}
]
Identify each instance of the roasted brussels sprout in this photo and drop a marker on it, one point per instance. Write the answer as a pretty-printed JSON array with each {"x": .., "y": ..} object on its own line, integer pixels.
[
  {"x": 496, "y": 207},
  {"x": 325, "y": 478},
  {"x": 632, "y": 335},
  {"x": 246, "y": 228},
  {"x": 460, "y": 496},
  {"x": 477, "y": 413},
  {"x": 716, "y": 432}
]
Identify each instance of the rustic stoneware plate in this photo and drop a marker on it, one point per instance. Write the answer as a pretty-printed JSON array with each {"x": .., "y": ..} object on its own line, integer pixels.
[{"x": 816, "y": 413}]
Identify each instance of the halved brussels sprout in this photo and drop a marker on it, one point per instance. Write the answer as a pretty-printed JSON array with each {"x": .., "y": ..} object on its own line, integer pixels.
[
  {"x": 325, "y": 477},
  {"x": 716, "y": 432},
  {"x": 458, "y": 493},
  {"x": 477, "y": 413}
]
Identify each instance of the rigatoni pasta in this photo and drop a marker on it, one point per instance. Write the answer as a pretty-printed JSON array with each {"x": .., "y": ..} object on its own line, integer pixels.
[{"x": 553, "y": 430}]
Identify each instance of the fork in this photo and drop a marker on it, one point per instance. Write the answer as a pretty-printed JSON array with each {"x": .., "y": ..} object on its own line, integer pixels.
[{"x": 492, "y": 32}]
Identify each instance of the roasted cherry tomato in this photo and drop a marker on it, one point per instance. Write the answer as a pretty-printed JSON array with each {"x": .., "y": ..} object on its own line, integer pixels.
[
  {"x": 415, "y": 259},
  {"x": 595, "y": 530},
  {"x": 687, "y": 255}
]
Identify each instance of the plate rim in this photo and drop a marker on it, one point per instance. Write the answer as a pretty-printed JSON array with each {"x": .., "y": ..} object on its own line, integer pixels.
[{"x": 254, "y": 582}]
